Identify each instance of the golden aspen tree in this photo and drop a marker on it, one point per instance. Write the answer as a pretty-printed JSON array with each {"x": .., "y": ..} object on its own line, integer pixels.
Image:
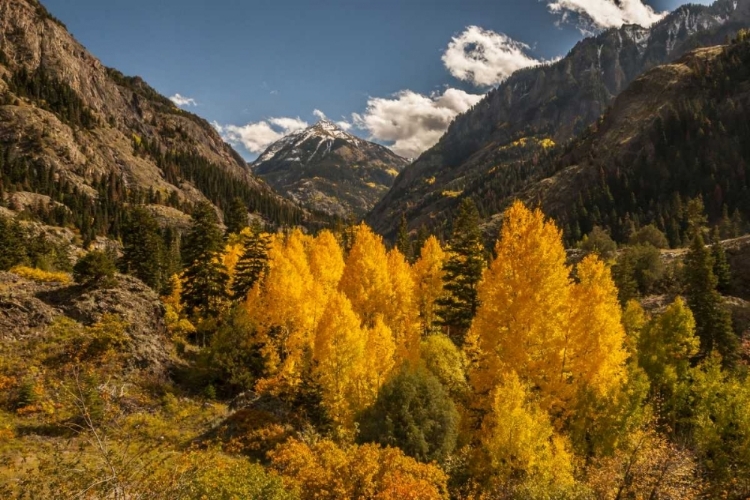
[
  {"x": 594, "y": 353},
  {"x": 402, "y": 312},
  {"x": 339, "y": 352},
  {"x": 523, "y": 318},
  {"x": 378, "y": 361},
  {"x": 326, "y": 259},
  {"x": 230, "y": 257},
  {"x": 365, "y": 280},
  {"x": 525, "y": 453},
  {"x": 283, "y": 311},
  {"x": 428, "y": 276},
  {"x": 559, "y": 337}
]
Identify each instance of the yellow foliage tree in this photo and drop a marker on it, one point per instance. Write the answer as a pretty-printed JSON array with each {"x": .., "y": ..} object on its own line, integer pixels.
[
  {"x": 402, "y": 312},
  {"x": 324, "y": 471},
  {"x": 522, "y": 322},
  {"x": 284, "y": 310},
  {"x": 525, "y": 454},
  {"x": 428, "y": 276},
  {"x": 594, "y": 354},
  {"x": 339, "y": 353},
  {"x": 378, "y": 360},
  {"x": 560, "y": 338},
  {"x": 327, "y": 266},
  {"x": 365, "y": 280}
]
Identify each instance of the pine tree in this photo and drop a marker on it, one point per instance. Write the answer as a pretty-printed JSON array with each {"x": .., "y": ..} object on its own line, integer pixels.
[
  {"x": 721, "y": 264},
  {"x": 252, "y": 264},
  {"x": 143, "y": 248},
  {"x": 463, "y": 271},
  {"x": 205, "y": 277},
  {"x": 403, "y": 240},
  {"x": 12, "y": 247},
  {"x": 713, "y": 320},
  {"x": 235, "y": 216}
]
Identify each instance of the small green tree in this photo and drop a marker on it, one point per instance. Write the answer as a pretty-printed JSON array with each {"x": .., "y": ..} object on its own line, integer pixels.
[
  {"x": 95, "y": 267},
  {"x": 463, "y": 271},
  {"x": 205, "y": 277},
  {"x": 414, "y": 413},
  {"x": 235, "y": 216},
  {"x": 600, "y": 243},
  {"x": 143, "y": 248},
  {"x": 713, "y": 320},
  {"x": 252, "y": 264},
  {"x": 12, "y": 246},
  {"x": 403, "y": 240},
  {"x": 649, "y": 234},
  {"x": 665, "y": 348},
  {"x": 721, "y": 264}
]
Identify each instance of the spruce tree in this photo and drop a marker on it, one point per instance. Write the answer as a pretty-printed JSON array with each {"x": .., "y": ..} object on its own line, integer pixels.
[
  {"x": 143, "y": 248},
  {"x": 403, "y": 240},
  {"x": 235, "y": 216},
  {"x": 713, "y": 320},
  {"x": 12, "y": 245},
  {"x": 721, "y": 265},
  {"x": 463, "y": 271},
  {"x": 205, "y": 277},
  {"x": 252, "y": 263}
]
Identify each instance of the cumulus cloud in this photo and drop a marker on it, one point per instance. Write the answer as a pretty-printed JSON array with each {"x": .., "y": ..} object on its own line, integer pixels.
[
  {"x": 484, "y": 57},
  {"x": 256, "y": 137},
  {"x": 602, "y": 14},
  {"x": 412, "y": 122},
  {"x": 183, "y": 101}
]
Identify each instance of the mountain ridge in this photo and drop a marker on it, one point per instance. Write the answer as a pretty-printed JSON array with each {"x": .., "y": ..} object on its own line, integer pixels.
[
  {"x": 329, "y": 170},
  {"x": 552, "y": 102},
  {"x": 66, "y": 113}
]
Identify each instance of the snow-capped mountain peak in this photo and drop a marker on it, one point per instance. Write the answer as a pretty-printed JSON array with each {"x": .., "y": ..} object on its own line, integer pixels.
[{"x": 328, "y": 169}]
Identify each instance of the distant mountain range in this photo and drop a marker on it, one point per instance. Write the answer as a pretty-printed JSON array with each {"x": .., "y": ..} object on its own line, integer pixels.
[
  {"x": 535, "y": 109},
  {"x": 329, "y": 170}
]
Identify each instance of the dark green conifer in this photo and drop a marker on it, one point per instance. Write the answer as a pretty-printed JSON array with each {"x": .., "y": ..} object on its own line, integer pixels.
[
  {"x": 463, "y": 271},
  {"x": 252, "y": 264},
  {"x": 403, "y": 240},
  {"x": 713, "y": 320},
  {"x": 205, "y": 277},
  {"x": 235, "y": 216},
  {"x": 143, "y": 248}
]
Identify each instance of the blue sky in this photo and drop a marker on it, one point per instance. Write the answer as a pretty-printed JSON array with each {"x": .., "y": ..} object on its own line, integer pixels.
[{"x": 260, "y": 68}]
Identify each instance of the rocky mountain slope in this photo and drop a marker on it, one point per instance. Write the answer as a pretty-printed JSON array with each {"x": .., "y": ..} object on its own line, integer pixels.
[
  {"x": 66, "y": 117},
  {"x": 329, "y": 170},
  {"x": 539, "y": 107},
  {"x": 679, "y": 131}
]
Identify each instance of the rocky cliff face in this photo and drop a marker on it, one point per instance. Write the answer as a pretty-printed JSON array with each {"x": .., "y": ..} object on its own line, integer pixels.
[
  {"x": 329, "y": 170},
  {"x": 63, "y": 109},
  {"x": 538, "y": 107},
  {"x": 28, "y": 308}
]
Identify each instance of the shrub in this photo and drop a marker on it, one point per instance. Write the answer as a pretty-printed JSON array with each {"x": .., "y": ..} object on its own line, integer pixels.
[
  {"x": 42, "y": 276},
  {"x": 413, "y": 412},
  {"x": 96, "y": 266}
]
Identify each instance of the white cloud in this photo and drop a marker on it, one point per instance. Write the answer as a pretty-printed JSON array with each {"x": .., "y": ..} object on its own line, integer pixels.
[
  {"x": 256, "y": 137},
  {"x": 183, "y": 101},
  {"x": 602, "y": 14},
  {"x": 484, "y": 57},
  {"x": 412, "y": 122},
  {"x": 343, "y": 124}
]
